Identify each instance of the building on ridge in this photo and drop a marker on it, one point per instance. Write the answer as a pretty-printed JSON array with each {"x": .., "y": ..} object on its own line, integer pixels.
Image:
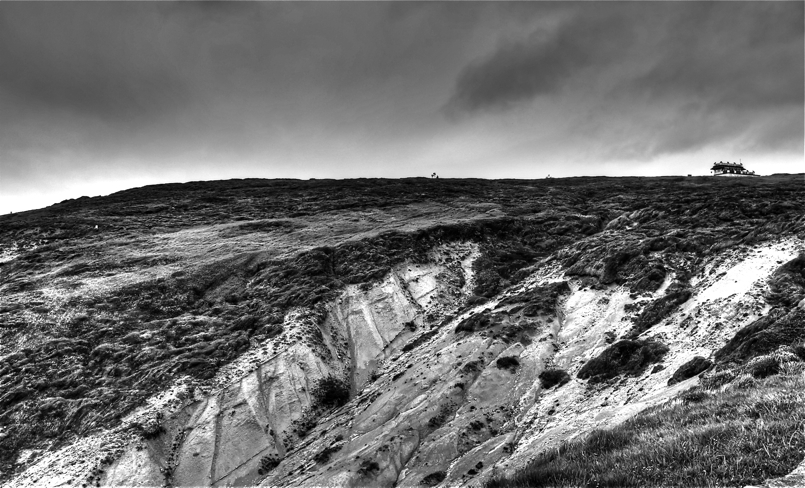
[{"x": 722, "y": 168}]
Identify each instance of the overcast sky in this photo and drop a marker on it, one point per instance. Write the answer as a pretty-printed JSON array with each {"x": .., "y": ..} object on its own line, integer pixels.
[{"x": 97, "y": 97}]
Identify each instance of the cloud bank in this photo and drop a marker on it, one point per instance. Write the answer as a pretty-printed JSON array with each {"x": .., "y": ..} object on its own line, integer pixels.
[{"x": 98, "y": 96}]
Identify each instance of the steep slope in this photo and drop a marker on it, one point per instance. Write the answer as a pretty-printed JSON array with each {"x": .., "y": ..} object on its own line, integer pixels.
[
  {"x": 406, "y": 332},
  {"x": 471, "y": 403}
]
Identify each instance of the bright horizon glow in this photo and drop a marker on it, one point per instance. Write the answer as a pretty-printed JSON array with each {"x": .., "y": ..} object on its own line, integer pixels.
[{"x": 33, "y": 200}]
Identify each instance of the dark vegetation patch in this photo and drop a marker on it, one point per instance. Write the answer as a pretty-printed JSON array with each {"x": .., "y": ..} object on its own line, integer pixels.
[
  {"x": 445, "y": 412},
  {"x": 787, "y": 284},
  {"x": 750, "y": 349},
  {"x": 331, "y": 392},
  {"x": 472, "y": 367},
  {"x": 764, "y": 367},
  {"x": 434, "y": 478},
  {"x": 512, "y": 320},
  {"x": 522, "y": 331},
  {"x": 268, "y": 463},
  {"x": 757, "y": 428},
  {"x": 660, "y": 308},
  {"x": 553, "y": 377},
  {"x": 151, "y": 429},
  {"x": 764, "y": 336},
  {"x": 324, "y": 456},
  {"x": 423, "y": 338},
  {"x": 368, "y": 468},
  {"x": 690, "y": 369},
  {"x": 608, "y": 264},
  {"x": 190, "y": 323},
  {"x": 509, "y": 363},
  {"x": 327, "y": 394},
  {"x": 625, "y": 357},
  {"x": 476, "y": 322},
  {"x": 651, "y": 280},
  {"x": 538, "y": 300}
]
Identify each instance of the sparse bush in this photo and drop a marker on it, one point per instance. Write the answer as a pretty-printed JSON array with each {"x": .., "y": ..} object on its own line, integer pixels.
[
  {"x": 763, "y": 366},
  {"x": 553, "y": 377},
  {"x": 540, "y": 299},
  {"x": 659, "y": 309},
  {"x": 152, "y": 430},
  {"x": 444, "y": 412},
  {"x": 787, "y": 284},
  {"x": 475, "y": 322},
  {"x": 477, "y": 425},
  {"x": 331, "y": 392},
  {"x": 268, "y": 463},
  {"x": 630, "y": 357},
  {"x": 328, "y": 393},
  {"x": 473, "y": 367},
  {"x": 368, "y": 468},
  {"x": 324, "y": 456},
  {"x": 764, "y": 336},
  {"x": 423, "y": 338},
  {"x": 510, "y": 363},
  {"x": 434, "y": 478},
  {"x": 690, "y": 369}
]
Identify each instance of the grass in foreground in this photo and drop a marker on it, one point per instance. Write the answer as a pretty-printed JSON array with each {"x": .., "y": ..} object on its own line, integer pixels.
[{"x": 742, "y": 435}]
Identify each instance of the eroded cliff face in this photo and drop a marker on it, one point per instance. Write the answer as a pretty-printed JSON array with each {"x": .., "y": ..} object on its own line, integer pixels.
[
  {"x": 448, "y": 355},
  {"x": 469, "y": 404},
  {"x": 440, "y": 397},
  {"x": 231, "y": 436}
]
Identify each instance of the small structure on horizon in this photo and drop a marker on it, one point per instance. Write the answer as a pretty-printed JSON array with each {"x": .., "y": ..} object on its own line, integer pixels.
[{"x": 722, "y": 168}]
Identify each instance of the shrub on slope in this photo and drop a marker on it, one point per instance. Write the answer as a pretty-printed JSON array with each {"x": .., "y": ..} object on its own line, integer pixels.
[
  {"x": 764, "y": 336},
  {"x": 629, "y": 357}
]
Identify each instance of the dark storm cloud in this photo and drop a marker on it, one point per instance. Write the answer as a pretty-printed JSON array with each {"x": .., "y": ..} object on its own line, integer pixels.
[
  {"x": 654, "y": 78},
  {"x": 723, "y": 54},
  {"x": 265, "y": 88},
  {"x": 53, "y": 59},
  {"x": 539, "y": 65},
  {"x": 730, "y": 71},
  {"x": 745, "y": 55}
]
